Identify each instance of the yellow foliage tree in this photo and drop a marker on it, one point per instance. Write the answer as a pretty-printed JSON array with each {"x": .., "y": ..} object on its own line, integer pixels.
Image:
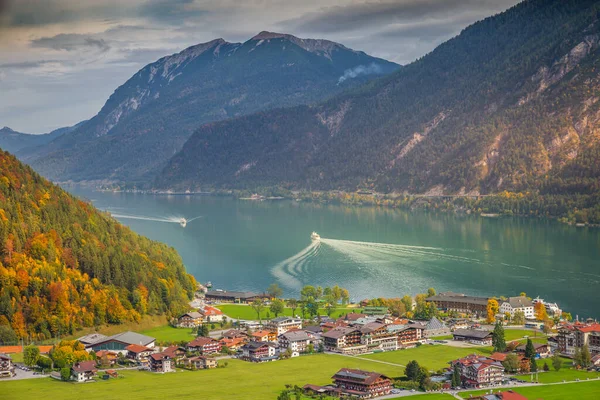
[
  {"x": 492, "y": 310},
  {"x": 540, "y": 311}
]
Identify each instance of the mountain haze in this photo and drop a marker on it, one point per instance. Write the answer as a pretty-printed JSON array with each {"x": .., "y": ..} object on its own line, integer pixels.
[
  {"x": 15, "y": 142},
  {"x": 147, "y": 119},
  {"x": 509, "y": 104}
]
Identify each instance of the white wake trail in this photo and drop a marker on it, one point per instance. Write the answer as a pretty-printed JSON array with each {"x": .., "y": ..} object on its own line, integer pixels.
[{"x": 287, "y": 271}]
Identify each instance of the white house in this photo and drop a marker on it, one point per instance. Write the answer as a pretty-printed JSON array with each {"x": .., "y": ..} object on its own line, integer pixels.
[
  {"x": 83, "y": 371},
  {"x": 519, "y": 303},
  {"x": 283, "y": 324},
  {"x": 551, "y": 308},
  {"x": 297, "y": 341}
]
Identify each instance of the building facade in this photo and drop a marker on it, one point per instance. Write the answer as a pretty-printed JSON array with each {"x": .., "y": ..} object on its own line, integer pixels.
[{"x": 281, "y": 325}]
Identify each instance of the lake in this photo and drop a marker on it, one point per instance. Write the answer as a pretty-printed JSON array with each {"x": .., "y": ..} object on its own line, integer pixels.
[{"x": 373, "y": 252}]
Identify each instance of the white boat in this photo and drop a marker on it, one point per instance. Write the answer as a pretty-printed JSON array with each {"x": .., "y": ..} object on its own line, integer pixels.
[
  {"x": 315, "y": 236},
  {"x": 183, "y": 222}
]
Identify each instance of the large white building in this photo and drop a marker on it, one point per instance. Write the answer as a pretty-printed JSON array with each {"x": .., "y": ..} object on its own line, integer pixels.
[
  {"x": 283, "y": 324},
  {"x": 519, "y": 303}
]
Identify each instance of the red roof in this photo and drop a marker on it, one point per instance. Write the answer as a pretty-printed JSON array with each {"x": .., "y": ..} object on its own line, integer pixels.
[
  {"x": 201, "y": 341},
  {"x": 137, "y": 348},
  {"x": 208, "y": 310},
  {"x": 590, "y": 328},
  {"x": 85, "y": 366}
]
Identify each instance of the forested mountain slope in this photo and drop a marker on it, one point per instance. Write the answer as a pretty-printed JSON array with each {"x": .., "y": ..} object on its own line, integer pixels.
[
  {"x": 14, "y": 141},
  {"x": 509, "y": 104},
  {"x": 65, "y": 265},
  {"x": 147, "y": 119}
]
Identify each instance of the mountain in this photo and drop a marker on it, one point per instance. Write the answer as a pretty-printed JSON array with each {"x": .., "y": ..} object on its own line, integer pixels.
[
  {"x": 65, "y": 265},
  {"x": 511, "y": 103},
  {"x": 147, "y": 120},
  {"x": 15, "y": 142}
]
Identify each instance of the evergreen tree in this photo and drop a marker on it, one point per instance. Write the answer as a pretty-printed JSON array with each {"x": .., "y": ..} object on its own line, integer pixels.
[
  {"x": 556, "y": 362},
  {"x": 456, "y": 381},
  {"x": 412, "y": 370},
  {"x": 498, "y": 339}
]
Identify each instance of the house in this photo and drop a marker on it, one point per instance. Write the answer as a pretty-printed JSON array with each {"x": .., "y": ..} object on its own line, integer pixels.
[
  {"x": 345, "y": 340},
  {"x": 176, "y": 353},
  {"x": 234, "y": 334},
  {"x": 191, "y": 319},
  {"x": 407, "y": 335},
  {"x": 138, "y": 352},
  {"x": 106, "y": 357},
  {"x": 375, "y": 335},
  {"x": 84, "y": 371},
  {"x": 552, "y": 309},
  {"x": 201, "y": 362},
  {"x": 296, "y": 341},
  {"x": 351, "y": 317},
  {"x": 541, "y": 350},
  {"x": 211, "y": 314},
  {"x": 459, "y": 302},
  {"x": 119, "y": 342},
  {"x": 523, "y": 361},
  {"x": 160, "y": 362},
  {"x": 479, "y": 371},
  {"x": 224, "y": 296},
  {"x": 458, "y": 323},
  {"x": 353, "y": 383},
  {"x": 7, "y": 370},
  {"x": 259, "y": 351},
  {"x": 518, "y": 303},
  {"x": 204, "y": 345},
  {"x": 264, "y": 336},
  {"x": 508, "y": 395},
  {"x": 315, "y": 329},
  {"x": 596, "y": 360},
  {"x": 553, "y": 344},
  {"x": 572, "y": 336},
  {"x": 283, "y": 324},
  {"x": 474, "y": 336},
  {"x": 233, "y": 344},
  {"x": 435, "y": 327}
]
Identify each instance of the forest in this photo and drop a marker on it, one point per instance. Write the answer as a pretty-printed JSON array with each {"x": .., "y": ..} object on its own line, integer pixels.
[{"x": 64, "y": 265}]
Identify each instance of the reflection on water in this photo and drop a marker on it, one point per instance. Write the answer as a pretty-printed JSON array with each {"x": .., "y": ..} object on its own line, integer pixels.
[{"x": 247, "y": 245}]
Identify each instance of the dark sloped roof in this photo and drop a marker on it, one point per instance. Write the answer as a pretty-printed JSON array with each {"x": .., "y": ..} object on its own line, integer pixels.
[
  {"x": 473, "y": 333},
  {"x": 85, "y": 366},
  {"x": 225, "y": 293},
  {"x": 435, "y": 324},
  {"x": 458, "y": 298},
  {"x": 358, "y": 375}
]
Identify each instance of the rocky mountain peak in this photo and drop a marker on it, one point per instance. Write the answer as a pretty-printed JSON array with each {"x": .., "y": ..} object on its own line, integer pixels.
[{"x": 319, "y": 46}]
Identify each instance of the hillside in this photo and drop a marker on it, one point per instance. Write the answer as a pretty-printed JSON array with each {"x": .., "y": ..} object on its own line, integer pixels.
[
  {"x": 14, "y": 142},
  {"x": 509, "y": 104},
  {"x": 147, "y": 119},
  {"x": 65, "y": 265}
]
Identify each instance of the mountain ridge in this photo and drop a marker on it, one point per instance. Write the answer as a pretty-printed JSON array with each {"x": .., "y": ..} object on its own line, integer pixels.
[
  {"x": 148, "y": 118},
  {"x": 450, "y": 122}
]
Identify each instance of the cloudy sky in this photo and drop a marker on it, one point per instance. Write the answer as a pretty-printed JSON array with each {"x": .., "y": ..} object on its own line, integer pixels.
[{"x": 61, "y": 59}]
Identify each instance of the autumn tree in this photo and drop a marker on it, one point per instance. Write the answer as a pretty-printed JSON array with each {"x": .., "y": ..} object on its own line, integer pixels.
[
  {"x": 431, "y": 292},
  {"x": 540, "y": 311},
  {"x": 492, "y": 310},
  {"x": 556, "y": 362}
]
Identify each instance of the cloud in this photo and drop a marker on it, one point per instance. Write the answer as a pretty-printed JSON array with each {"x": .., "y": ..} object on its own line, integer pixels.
[
  {"x": 70, "y": 42},
  {"x": 367, "y": 14}
]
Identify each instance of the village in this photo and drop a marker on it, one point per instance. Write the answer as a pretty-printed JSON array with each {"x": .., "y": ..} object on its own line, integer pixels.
[{"x": 503, "y": 344}]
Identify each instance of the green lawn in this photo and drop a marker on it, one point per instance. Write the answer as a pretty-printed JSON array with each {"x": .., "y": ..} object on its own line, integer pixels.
[
  {"x": 431, "y": 396},
  {"x": 242, "y": 311},
  {"x": 167, "y": 333},
  {"x": 561, "y": 375},
  {"x": 443, "y": 337},
  {"x": 239, "y": 380},
  {"x": 432, "y": 357},
  {"x": 578, "y": 390},
  {"x": 514, "y": 334}
]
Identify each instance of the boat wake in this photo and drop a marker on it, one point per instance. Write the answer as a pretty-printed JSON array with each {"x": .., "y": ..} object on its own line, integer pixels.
[
  {"x": 173, "y": 220},
  {"x": 381, "y": 259}
]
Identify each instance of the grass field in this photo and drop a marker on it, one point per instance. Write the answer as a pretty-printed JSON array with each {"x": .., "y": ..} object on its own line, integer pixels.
[
  {"x": 578, "y": 390},
  {"x": 431, "y": 396},
  {"x": 432, "y": 357},
  {"x": 167, "y": 333},
  {"x": 514, "y": 334},
  {"x": 239, "y": 380},
  {"x": 561, "y": 375},
  {"x": 242, "y": 311}
]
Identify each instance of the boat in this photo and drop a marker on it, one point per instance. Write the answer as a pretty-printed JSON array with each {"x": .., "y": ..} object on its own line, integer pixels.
[
  {"x": 182, "y": 222},
  {"x": 315, "y": 236},
  {"x": 208, "y": 284}
]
